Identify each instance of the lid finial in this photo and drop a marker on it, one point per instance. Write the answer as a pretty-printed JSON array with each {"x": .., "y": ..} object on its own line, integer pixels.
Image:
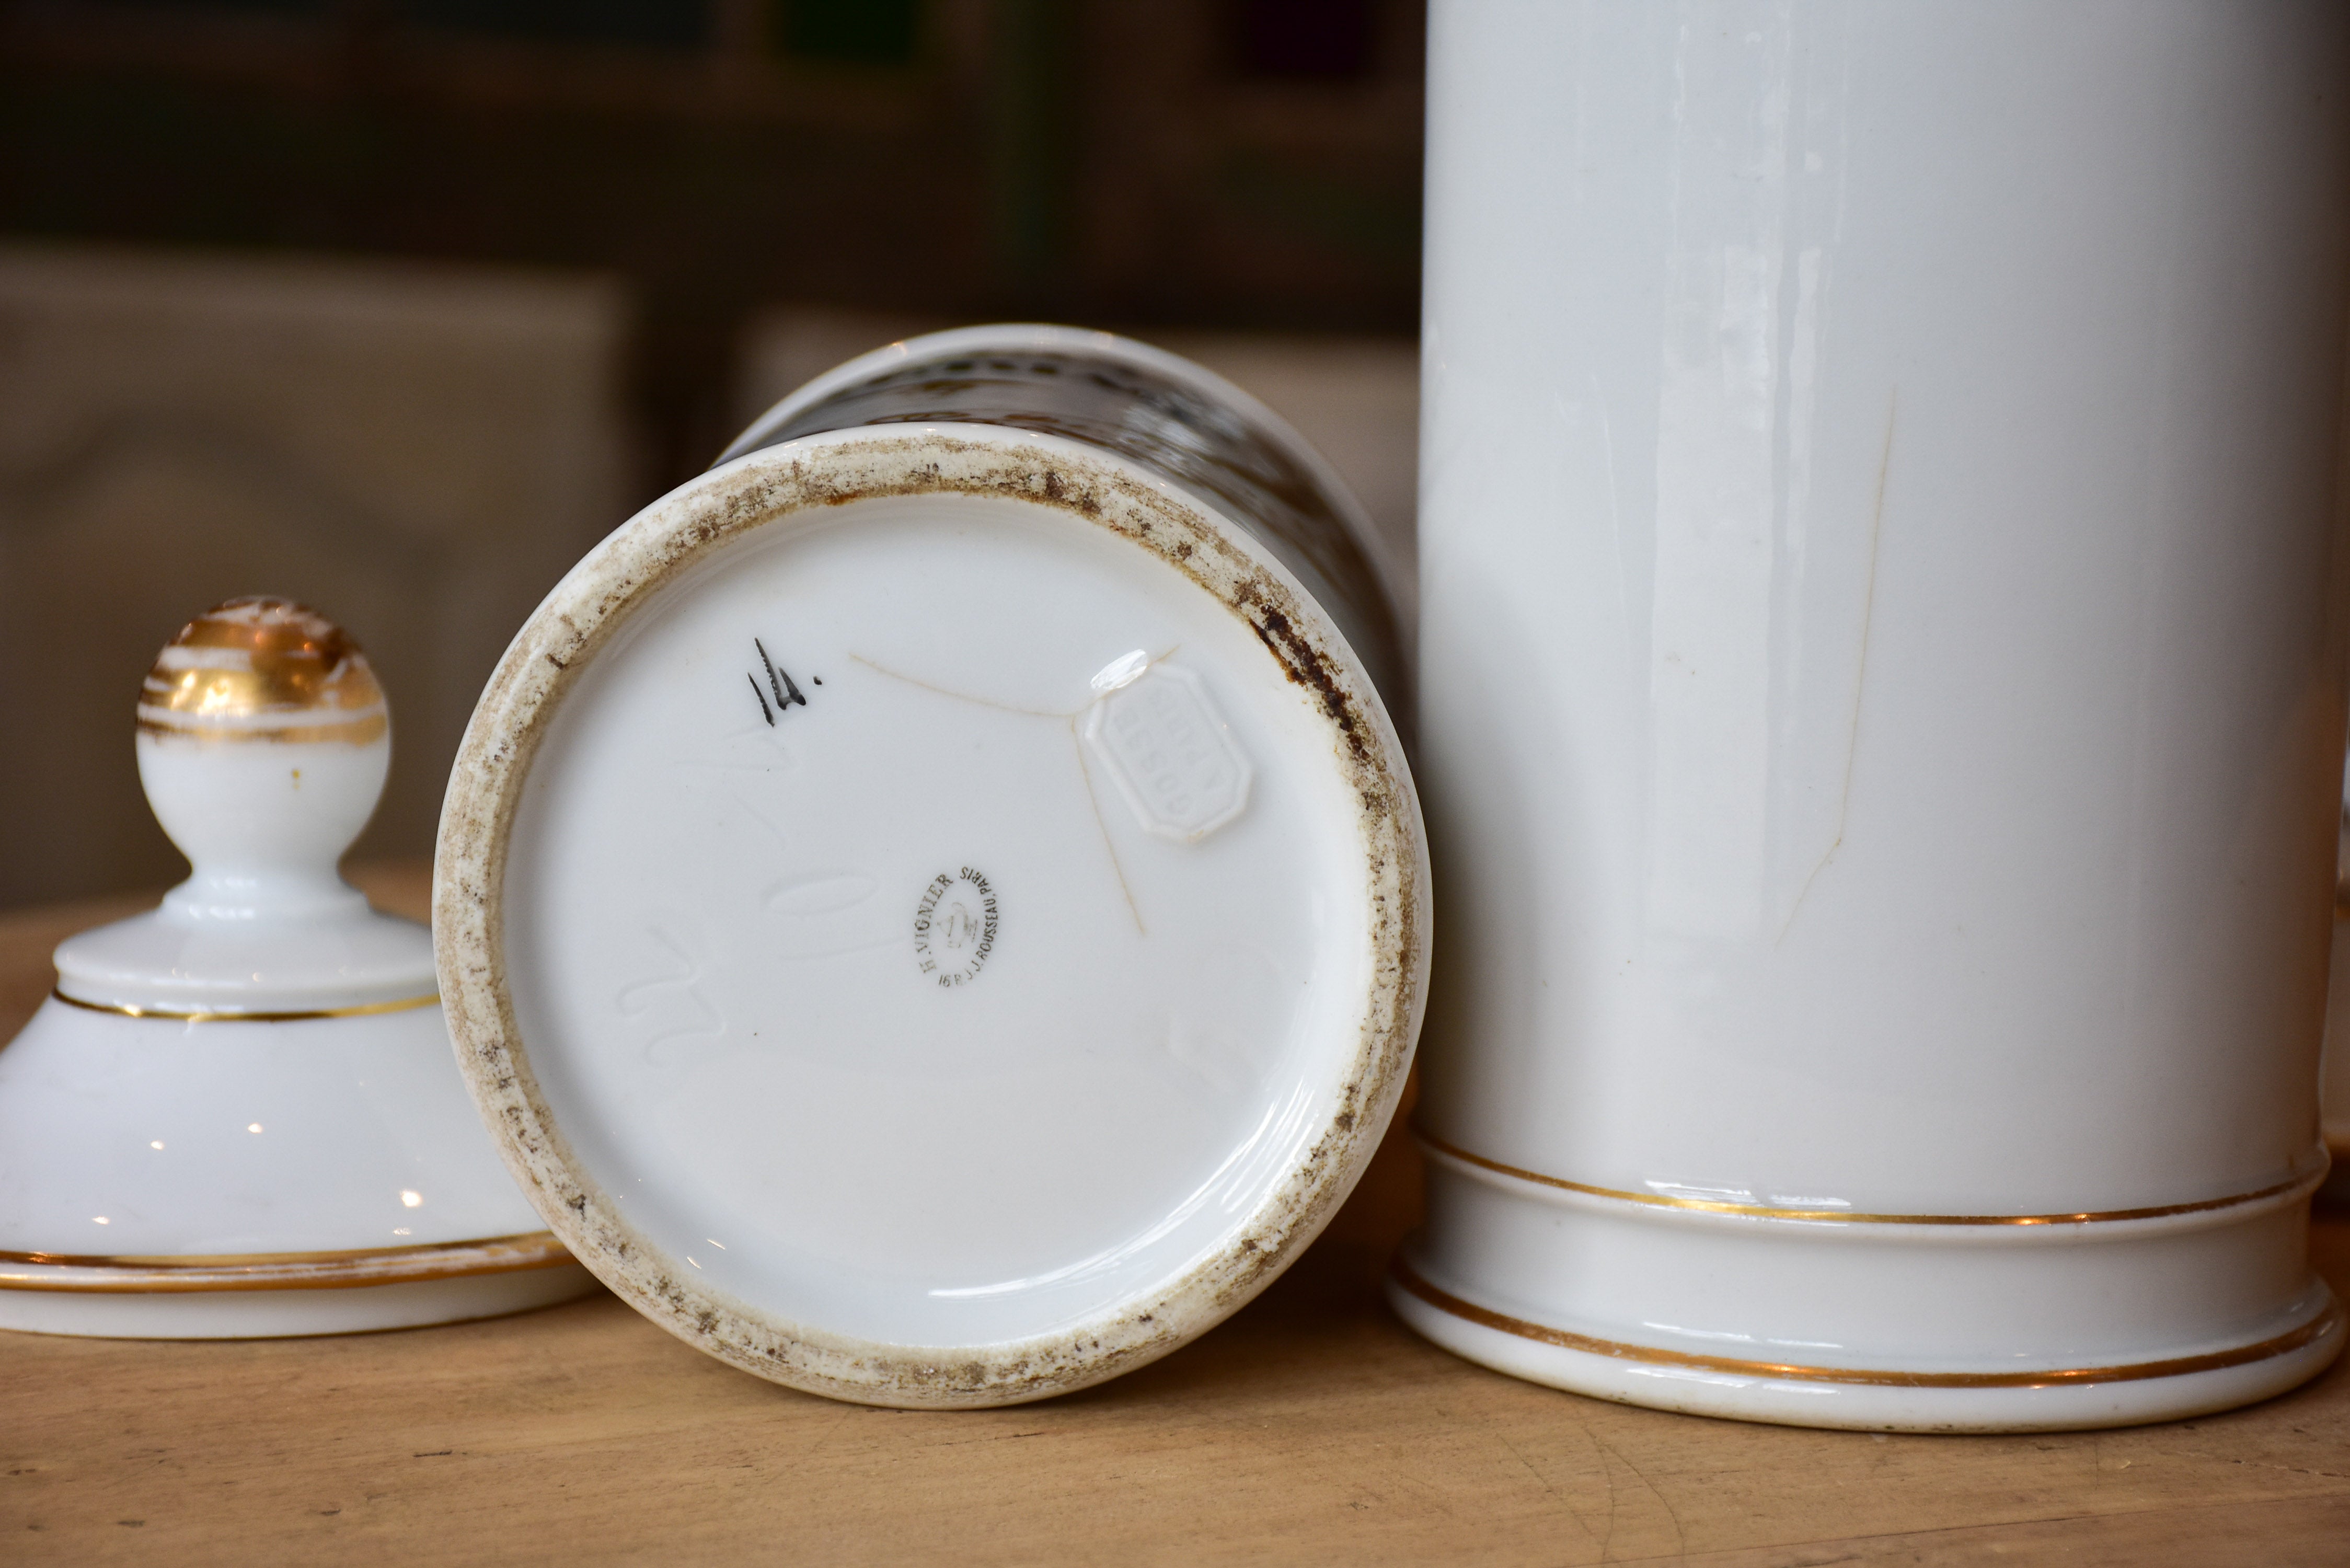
[{"x": 263, "y": 741}]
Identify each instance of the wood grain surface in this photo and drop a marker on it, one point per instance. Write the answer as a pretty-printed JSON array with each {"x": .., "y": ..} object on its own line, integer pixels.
[{"x": 1312, "y": 1428}]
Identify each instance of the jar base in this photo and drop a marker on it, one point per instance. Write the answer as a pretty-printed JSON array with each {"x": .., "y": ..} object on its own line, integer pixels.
[
  {"x": 2127, "y": 1400},
  {"x": 1951, "y": 1323}
]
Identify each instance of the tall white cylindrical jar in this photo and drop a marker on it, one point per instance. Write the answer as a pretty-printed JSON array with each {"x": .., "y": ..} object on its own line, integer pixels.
[{"x": 1881, "y": 702}]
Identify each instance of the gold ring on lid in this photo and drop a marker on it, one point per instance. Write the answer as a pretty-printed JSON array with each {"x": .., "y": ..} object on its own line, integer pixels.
[{"x": 260, "y": 669}]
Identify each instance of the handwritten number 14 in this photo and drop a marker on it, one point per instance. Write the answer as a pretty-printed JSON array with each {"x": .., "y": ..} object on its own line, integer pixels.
[{"x": 779, "y": 681}]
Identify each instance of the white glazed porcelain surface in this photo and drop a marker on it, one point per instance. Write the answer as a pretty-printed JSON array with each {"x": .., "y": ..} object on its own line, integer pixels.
[
  {"x": 714, "y": 925},
  {"x": 126, "y": 1142},
  {"x": 711, "y": 979},
  {"x": 1880, "y": 689},
  {"x": 150, "y": 1135}
]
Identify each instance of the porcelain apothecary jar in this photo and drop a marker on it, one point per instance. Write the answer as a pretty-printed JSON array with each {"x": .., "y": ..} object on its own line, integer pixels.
[
  {"x": 934, "y": 908},
  {"x": 1881, "y": 702}
]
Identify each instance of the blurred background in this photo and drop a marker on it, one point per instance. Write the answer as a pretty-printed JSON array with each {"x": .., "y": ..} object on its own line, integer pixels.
[{"x": 398, "y": 305}]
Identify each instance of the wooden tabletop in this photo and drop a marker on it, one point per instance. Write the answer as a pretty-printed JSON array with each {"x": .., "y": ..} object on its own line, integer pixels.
[{"x": 1312, "y": 1428}]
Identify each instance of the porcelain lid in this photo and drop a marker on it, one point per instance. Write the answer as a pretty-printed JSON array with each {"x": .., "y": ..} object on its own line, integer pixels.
[{"x": 935, "y": 912}]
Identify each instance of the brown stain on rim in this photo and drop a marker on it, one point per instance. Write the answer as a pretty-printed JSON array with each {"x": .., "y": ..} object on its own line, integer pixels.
[
  {"x": 1303, "y": 665},
  {"x": 592, "y": 605}
]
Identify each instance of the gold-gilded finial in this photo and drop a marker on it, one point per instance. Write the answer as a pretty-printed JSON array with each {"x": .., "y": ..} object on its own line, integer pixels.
[{"x": 258, "y": 669}]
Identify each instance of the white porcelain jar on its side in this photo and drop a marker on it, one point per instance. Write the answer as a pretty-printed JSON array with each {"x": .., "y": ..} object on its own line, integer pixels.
[{"x": 935, "y": 908}]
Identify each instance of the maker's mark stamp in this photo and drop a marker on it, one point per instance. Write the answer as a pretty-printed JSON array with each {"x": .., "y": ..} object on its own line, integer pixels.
[
  {"x": 954, "y": 926},
  {"x": 1170, "y": 754}
]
